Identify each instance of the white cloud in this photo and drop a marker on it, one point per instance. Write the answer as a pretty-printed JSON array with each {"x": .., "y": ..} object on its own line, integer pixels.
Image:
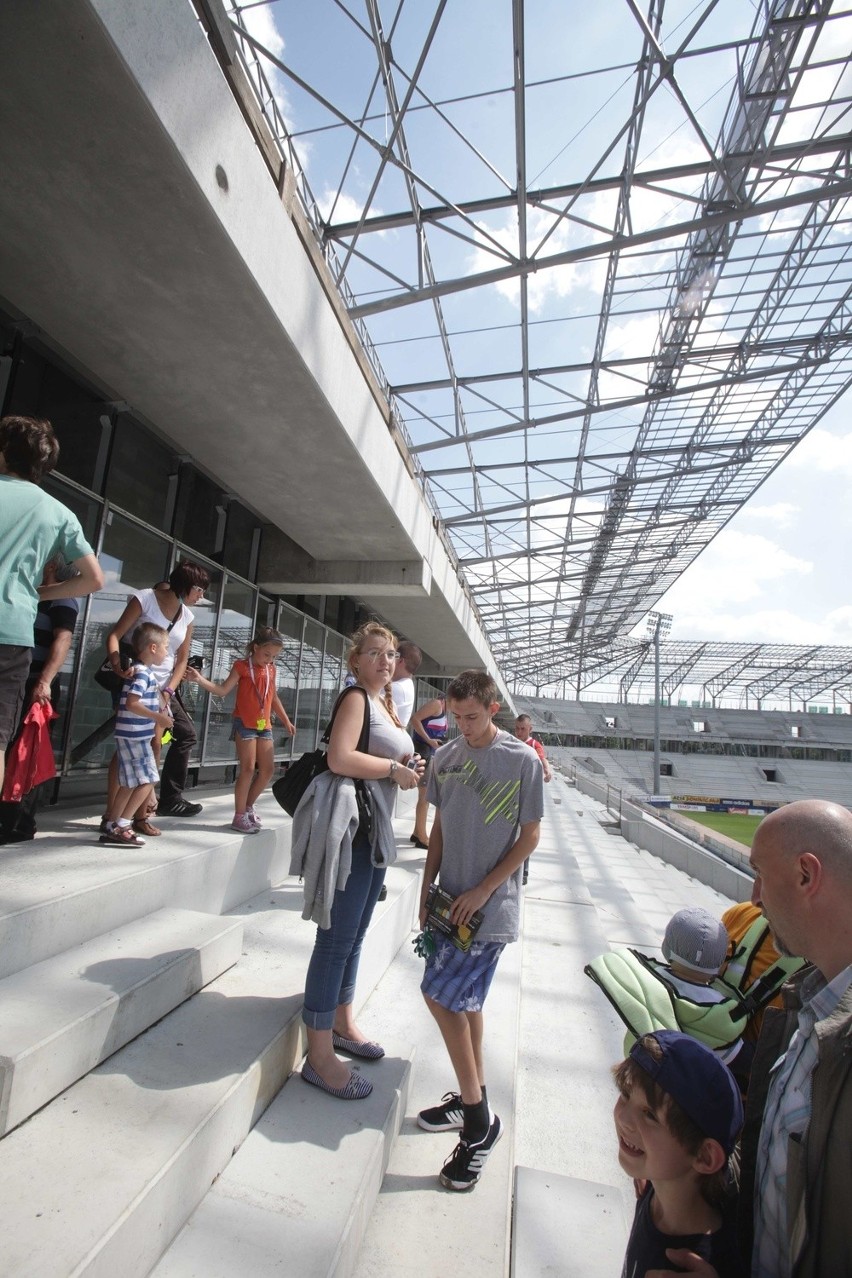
[
  {"x": 781, "y": 513},
  {"x": 634, "y": 337},
  {"x": 840, "y": 622},
  {"x": 557, "y": 281},
  {"x": 822, "y": 451},
  {"x": 767, "y": 625},
  {"x": 734, "y": 569},
  {"x": 345, "y": 208},
  {"x": 260, "y": 23}
]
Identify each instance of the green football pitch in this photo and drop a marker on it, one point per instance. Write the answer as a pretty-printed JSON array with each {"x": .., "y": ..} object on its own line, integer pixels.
[{"x": 735, "y": 825}]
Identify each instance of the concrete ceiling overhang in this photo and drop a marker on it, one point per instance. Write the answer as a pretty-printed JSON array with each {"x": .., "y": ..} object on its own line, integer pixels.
[
  {"x": 146, "y": 285},
  {"x": 141, "y": 232}
]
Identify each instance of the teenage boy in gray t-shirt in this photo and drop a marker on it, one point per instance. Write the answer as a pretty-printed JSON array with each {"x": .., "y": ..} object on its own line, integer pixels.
[{"x": 487, "y": 789}]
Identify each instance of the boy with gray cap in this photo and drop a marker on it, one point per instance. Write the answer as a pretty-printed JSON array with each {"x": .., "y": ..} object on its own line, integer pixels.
[{"x": 695, "y": 945}]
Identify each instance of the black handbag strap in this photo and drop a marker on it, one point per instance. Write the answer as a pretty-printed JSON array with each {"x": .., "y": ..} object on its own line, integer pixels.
[{"x": 364, "y": 738}]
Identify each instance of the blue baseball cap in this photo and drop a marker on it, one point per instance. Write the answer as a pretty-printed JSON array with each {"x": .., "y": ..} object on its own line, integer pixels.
[{"x": 698, "y": 1080}]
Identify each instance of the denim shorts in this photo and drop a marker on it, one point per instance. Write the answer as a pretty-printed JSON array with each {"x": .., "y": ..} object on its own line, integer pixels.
[
  {"x": 459, "y": 981},
  {"x": 249, "y": 734}
]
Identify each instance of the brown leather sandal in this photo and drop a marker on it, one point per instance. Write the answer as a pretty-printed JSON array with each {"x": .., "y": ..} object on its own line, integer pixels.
[{"x": 145, "y": 827}]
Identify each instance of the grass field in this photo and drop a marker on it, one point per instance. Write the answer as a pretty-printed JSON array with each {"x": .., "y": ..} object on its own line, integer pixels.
[{"x": 734, "y": 825}]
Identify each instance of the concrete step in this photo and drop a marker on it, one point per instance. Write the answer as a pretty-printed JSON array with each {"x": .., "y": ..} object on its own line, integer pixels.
[
  {"x": 588, "y": 889},
  {"x": 564, "y": 1225},
  {"x": 61, "y": 1017},
  {"x": 417, "y": 1227},
  {"x": 100, "y": 1181},
  {"x": 569, "y": 1035},
  {"x": 297, "y": 1196},
  {"x": 65, "y": 887},
  {"x": 635, "y": 892}
]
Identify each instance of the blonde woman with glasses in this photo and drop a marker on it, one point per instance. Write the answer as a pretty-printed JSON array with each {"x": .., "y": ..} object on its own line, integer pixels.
[{"x": 330, "y": 981}]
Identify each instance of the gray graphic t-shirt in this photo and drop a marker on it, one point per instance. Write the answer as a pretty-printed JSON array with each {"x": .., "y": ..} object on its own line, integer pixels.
[{"x": 484, "y": 796}]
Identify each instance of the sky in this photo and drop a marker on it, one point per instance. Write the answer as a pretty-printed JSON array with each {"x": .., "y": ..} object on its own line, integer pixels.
[{"x": 775, "y": 573}]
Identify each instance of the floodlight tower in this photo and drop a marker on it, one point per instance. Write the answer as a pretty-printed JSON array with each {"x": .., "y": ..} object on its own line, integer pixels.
[{"x": 659, "y": 624}]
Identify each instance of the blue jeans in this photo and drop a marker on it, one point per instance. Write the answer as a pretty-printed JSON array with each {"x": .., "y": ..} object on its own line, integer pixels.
[{"x": 337, "y": 949}]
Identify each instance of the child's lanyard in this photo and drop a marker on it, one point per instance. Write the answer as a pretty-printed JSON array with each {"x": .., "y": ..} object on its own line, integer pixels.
[{"x": 261, "y": 700}]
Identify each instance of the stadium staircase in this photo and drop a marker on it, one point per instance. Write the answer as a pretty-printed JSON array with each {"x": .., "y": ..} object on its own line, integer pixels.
[{"x": 152, "y": 1115}]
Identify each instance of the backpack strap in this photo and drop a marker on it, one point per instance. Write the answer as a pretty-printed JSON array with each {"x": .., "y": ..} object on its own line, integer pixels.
[
  {"x": 765, "y": 988},
  {"x": 743, "y": 953},
  {"x": 364, "y": 739}
]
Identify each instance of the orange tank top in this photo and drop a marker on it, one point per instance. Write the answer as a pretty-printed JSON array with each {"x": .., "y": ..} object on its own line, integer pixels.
[{"x": 255, "y": 691}]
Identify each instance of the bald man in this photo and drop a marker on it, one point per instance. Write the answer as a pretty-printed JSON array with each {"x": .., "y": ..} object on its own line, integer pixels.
[{"x": 796, "y": 1177}]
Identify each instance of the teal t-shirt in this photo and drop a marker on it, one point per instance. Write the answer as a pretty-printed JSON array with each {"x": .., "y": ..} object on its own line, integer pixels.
[{"x": 33, "y": 527}]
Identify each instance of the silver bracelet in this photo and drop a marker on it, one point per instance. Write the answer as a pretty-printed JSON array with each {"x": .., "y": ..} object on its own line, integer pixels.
[{"x": 393, "y": 767}]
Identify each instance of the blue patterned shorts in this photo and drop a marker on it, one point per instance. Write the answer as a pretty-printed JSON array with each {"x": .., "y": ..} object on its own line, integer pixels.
[
  {"x": 459, "y": 981},
  {"x": 136, "y": 764}
]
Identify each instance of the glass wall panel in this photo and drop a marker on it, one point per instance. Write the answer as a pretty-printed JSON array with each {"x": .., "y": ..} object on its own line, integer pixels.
[
  {"x": 290, "y": 627},
  {"x": 267, "y": 611},
  {"x": 240, "y": 542},
  {"x": 200, "y": 512},
  {"x": 308, "y": 726},
  {"x": 132, "y": 557},
  {"x": 201, "y": 647},
  {"x": 142, "y": 473},
  {"x": 78, "y": 415},
  {"x": 235, "y": 631},
  {"x": 8, "y": 340},
  {"x": 332, "y": 674},
  {"x": 88, "y": 511}
]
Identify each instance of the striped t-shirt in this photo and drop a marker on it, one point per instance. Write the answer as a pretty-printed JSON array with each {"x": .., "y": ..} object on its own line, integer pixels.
[{"x": 134, "y": 726}]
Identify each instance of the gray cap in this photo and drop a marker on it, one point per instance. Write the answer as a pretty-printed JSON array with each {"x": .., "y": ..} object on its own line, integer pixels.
[{"x": 697, "y": 940}]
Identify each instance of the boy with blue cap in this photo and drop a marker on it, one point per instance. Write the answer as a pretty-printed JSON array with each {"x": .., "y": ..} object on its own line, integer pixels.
[{"x": 677, "y": 1118}]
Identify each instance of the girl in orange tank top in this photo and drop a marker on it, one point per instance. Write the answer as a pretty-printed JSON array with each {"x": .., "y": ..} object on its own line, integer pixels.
[{"x": 255, "y": 704}]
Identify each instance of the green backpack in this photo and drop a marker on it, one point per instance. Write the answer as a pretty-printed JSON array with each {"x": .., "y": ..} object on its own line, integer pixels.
[{"x": 636, "y": 986}]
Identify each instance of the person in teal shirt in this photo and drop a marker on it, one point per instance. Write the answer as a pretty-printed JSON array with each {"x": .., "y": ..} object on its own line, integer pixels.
[{"x": 33, "y": 528}]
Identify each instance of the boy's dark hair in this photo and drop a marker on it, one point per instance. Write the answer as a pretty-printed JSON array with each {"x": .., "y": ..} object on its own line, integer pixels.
[
  {"x": 264, "y": 634},
  {"x": 187, "y": 576},
  {"x": 630, "y": 1075},
  {"x": 29, "y": 447},
  {"x": 146, "y": 634},
  {"x": 477, "y": 684}
]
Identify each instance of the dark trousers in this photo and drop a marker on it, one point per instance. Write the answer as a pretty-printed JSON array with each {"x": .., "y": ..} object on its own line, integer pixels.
[
  {"x": 18, "y": 820},
  {"x": 184, "y": 737}
]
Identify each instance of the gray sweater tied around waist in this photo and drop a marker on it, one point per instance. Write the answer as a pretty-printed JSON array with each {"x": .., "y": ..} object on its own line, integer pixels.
[{"x": 324, "y": 825}]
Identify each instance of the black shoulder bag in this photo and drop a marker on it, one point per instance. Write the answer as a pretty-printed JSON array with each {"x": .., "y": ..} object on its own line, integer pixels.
[
  {"x": 107, "y": 678},
  {"x": 290, "y": 787}
]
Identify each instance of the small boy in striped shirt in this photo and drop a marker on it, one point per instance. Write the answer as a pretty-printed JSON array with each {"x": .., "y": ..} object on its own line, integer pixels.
[{"x": 139, "y": 712}]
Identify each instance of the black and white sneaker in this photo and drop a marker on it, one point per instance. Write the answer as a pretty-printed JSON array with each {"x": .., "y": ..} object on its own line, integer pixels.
[
  {"x": 446, "y": 1117},
  {"x": 180, "y": 808},
  {"x": 464, "y": 1166}
]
